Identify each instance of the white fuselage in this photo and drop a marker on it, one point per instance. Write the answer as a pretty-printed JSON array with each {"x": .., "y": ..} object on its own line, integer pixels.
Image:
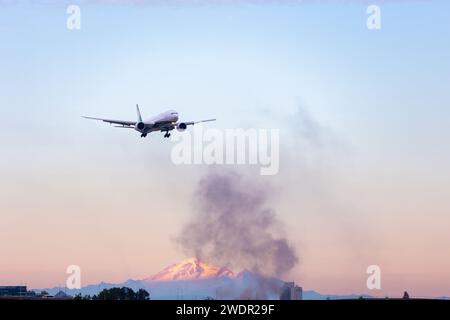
[{"x": 161, "y": 122}]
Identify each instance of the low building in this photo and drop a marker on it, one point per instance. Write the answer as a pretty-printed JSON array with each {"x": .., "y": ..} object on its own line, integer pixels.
[{"x": 13, "y": 291}]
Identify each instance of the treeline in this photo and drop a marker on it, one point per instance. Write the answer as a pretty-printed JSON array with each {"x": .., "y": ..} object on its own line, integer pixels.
[{"x": 123, "y": 293}]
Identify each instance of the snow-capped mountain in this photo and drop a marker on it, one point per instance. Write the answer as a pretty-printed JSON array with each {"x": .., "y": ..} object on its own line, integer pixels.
[
  {"x": 190, "y": 269},
  {"x": 195, "y": 279}
]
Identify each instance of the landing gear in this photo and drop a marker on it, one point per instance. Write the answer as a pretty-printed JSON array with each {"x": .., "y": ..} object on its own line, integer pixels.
[
  {"x": 143, "y": 135},
  {"x": 167, "y": 135}
]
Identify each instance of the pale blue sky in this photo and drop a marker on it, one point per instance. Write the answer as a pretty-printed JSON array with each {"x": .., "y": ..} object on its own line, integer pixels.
[
  {"x": 384, "y": 93},
  {"x": 228, "y": 58}
]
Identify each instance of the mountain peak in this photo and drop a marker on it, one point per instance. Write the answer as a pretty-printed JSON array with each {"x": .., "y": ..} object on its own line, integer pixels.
[{"x": 190, "y": 269}]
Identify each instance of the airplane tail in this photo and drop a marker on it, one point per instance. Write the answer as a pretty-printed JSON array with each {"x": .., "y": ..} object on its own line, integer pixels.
[{"x": 139, "y": 117}]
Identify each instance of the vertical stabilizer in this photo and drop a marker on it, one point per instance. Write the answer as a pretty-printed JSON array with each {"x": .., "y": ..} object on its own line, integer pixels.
[{"x": 139, "y": 117}]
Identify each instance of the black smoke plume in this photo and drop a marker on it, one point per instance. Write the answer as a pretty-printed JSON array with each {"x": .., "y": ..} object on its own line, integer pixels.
[{"x": 233, "y": 226}]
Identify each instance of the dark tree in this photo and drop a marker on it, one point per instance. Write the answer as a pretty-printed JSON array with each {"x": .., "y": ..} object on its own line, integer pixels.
[
  {"x": 123, "y": 293},
  {"x": 142, "y": 295}
]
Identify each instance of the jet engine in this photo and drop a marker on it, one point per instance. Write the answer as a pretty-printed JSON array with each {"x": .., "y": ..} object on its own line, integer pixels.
[
  {"x": 140, "y": 126},
  {"x": 181, "y": 126}
]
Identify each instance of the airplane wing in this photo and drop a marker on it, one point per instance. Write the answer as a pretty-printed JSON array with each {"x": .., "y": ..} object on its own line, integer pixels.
[
  {"x": 194, "y": 122},
  {"x": 122, "y": 123}
]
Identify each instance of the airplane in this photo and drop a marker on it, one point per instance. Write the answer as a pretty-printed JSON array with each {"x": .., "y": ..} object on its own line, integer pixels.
[{"x": 163, "y": 122}]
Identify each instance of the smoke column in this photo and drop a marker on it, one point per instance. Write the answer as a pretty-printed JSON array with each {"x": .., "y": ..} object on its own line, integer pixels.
[{"x": 232, "y": 226}]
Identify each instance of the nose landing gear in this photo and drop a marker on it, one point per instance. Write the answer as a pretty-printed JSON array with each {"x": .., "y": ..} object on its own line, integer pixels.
[
  {"x": 167, "y": 135},
  {"x": 143, "y": 135}
]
